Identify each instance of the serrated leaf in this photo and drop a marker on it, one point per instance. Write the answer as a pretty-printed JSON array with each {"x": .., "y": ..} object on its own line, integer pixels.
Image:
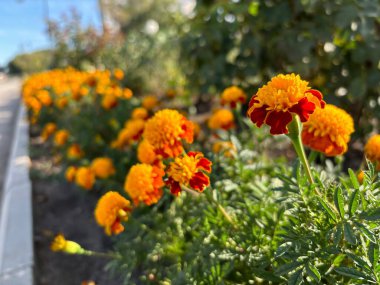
[
  {"x": 367, "y": 232},
  {"x": 354, "y": 202},
  {"x": 339, "y": 201},
  {"x": 313, "y": 272},
  {"x": 350, "y": 272},
  {"x": 327, "y": 208},
  {"x": 373, "y": 254},
  {"x": 354, "y": 179},
  {"x": 296, "y": 278},
  {"x": 349, "y": 233}
]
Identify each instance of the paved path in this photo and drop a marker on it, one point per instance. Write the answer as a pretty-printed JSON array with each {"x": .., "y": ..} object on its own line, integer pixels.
[{"x": 9, "y": 103}]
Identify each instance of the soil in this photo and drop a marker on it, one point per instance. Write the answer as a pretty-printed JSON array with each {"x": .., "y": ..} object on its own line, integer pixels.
[{"x": 59, "y": 207}]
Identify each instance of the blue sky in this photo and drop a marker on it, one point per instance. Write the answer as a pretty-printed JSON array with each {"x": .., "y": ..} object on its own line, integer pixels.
[{"x": 23, "y": 23}]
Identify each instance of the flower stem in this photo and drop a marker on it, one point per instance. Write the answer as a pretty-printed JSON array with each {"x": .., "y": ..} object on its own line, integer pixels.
[
  {"x": 220, "y": 208},
  {"x": 101, "y": 254},
  {"x": 295, "y": 129}
]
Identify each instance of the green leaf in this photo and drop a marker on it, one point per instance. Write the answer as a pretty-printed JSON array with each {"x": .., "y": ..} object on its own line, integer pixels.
[
  {"x": 284, "y": 269},
  {"x": 339, "y": 201},
  {"x": 282, "y": 249},
  {"x": 313, "y": 272},
  {"x": 367, "y": 232},
  {"x": 372, "y": 215},
  {"x": 349, "y": 233},
  {"x": 338, "y": 234},
  {"x": 327, "y": 208},
  {"x": 338, "y": 259},
  {"x": 373, "y": 254},
  {"x": 353, "y": 178},
  {"x": 266, "y": 275},
  {"x": 296, "y": 278},
  {"x": 354, "y": 202},
  {"x": 350, "y": 272}
]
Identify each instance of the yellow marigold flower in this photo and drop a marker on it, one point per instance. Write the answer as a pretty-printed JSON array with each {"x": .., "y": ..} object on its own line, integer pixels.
[
  {"x": 232, "y": 96},
  {"x": 221, "y": 119},
  {"x": 188, "y": 170},
  {"x": 328, "y": 130},
  {"x": 140, "y": 113},
  {"x": 146, "y": 153},
  {"x": 228, "y": 149},
  {"x": 61, "y": 102},
  {"x": 74, "y": 152},
  {"x": 111, "y": 210},
  {"x": 143, "y": 183},
  {"x": 83, "y": 91},
  {"x": 85, "y": 177},
  {"x": 61, "y": 137},
  {"x": 284, "y": 95},
  {"x": 165, "y": 130},
  {"x": 48, "y": 130},
  {"x": 103, "y": 167},
  {"x": 131, "y": 132},
  {"x": 149, "y": 102},
  {"x": 70, "y": 173},
  {"x": 109, "y": 101},
  {"x": 118, "y": 74},
  {"x": 44, "y": 97},
  {"x": 372, "y": 150},
  {"x": 61, "y": 244},
  {"x": 126, "y": 94}
]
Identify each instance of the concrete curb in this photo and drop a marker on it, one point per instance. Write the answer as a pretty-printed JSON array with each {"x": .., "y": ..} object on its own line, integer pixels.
[{"x": 16, "y": 232}]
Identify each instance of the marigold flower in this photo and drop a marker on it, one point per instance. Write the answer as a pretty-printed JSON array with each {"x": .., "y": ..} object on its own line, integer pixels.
[
  {"x": 74, "y": 151},
  {"x": 188, "y": 170},
  {"x": 284, "y": 95},
  {"x": 70, "y": 173},
  {"x": 146, "y": 153},
  {"x": 61, "y": 137},
  {"x": 126, "y": 94},
  {"x": 165, "y": 130},
  {"x": 221, "y": 119},
  {"x": 143, "y": 183},
  {"x": 328, "y": 130},
  {"x": 118, "y": 74},
  {"x": 140, "y": 113},
  {"x": 232, "y": 96},
  {"x": 85, "y": 177},
  {"x": 48, "y": 130},
  {"x": 372, "y": 150},
  {"x": 103, "y": 167},
  {"x": 44, "y": 97},
  {"x": 111, "y": 210},
  {"x": 61, "y": 102},
  {"x": 109, "y": 101},
  {"x": 228, "y": 149},
  {"x": 61, "y": 244},
  {"x": 149, "y": 102},
  {"x": 360, "y": 176},
  {"x": 131, "y": 132}
]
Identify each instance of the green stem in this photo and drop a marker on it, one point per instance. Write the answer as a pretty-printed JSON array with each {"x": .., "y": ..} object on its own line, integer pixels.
[
  {"x": 101, "y": 254},
  {"x": 295, "y": 129}
]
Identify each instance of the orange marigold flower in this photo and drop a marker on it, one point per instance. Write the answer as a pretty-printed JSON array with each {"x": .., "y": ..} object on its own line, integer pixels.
[
  {"x": 372, "y": 150},
  {"x": 61, "y": 102},
  {"x": 48, "y": 130},
  {"x": 228, "y": 149},
  {"x": 74, "y": 152},
  {"x": 70, "y": 173},
  {"x": 146, "y": 153},
  {"x": 126, "y": 94},
  {"x": 109, "y": 101},
  {"x": 103, "y": 167},
  {"x": 149, "y": 102},
  {"x": 188, "y": 170},
  {"x": 221, "y": 119},
  {"x": 61, "y": 244},
  {"x": 328, "y": 130},
  {"x": 44, "y": 97},
  {"x": 360, "y": 176},
  {"x": 165, "y": 130},
  {"x": 284, "y": 95},
  {"x": 61, "y": 137},
  {"x": 131, "y": 132},
  {"x": 143, "y": 183},
  {"x": 118, "y": 74},
  {"x": 111, "y": 210},
  {"x": 140, "y": 113},
  {"x": 232, "y": 96},
  {"x": 85, "y": 177}
]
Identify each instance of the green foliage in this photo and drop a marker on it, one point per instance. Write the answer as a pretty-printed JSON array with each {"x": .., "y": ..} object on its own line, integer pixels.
[{"x": 31, "y": 62}]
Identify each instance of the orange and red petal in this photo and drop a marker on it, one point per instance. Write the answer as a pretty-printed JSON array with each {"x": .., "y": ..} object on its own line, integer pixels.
[
  {"x": 318, "y": 95},
  {"x": 175, "y": 188},
  {"x": 304, "y": 108},
  {"x": 117, "y": 228},
  {"x": 278, "y": 120},
  {"x": 204, "y": 164},
  {"x": 258, "y": 115},
  {"x": 323, "y": 144},
  {"x": 188, "y": 131},
  {"x": 199, "y": 181}
]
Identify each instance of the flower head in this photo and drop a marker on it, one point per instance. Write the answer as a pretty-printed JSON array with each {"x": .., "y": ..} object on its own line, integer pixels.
[
  {"x": 140, "y": 113},
  {"x": 166, "y": 130},
  {"x": 149, "y": 102},
  {"x": 131, "y": 132},
  {"x": 61, "y": 137},
  {"x": 48, "y": 130},
  {"x": 109, "y": 101},
  {"x": 85, "y": 177},
  {"x": 284, "y": 95},
  {"x": 188, "y": 170},
  {"x": 118, "y": 74},
  {"x": 328, "y": 130},
  {"x": 61, "y": 244},
  {"x": 103, "y": 167},
  {"x": 74, "y": 151},
  {"x": 111, "y": 210},
  {"x": 372, "y": 150},
  {"x": 146, "y": 153},
  {"x": 126, "y": 94},
  {"x": 143, "y": 183},
  {"x": 221, "y": 119},
  {"x": 70, "y": 173},
  {"x": 232, "y": 96}
]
